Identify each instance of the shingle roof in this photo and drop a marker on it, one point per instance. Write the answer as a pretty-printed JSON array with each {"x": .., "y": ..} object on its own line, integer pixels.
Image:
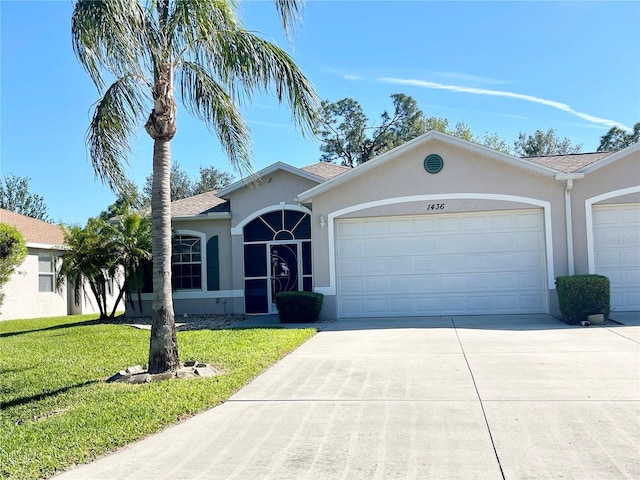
[
  {"x": 33, "y": 231},
  {"x": 198, "y": 205},
  {"x": 568, "y": 163},
  {"x": 326, "y": 170}
]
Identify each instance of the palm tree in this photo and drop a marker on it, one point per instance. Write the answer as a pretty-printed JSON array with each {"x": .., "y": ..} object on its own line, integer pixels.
[
  {"x": 201, "y": 50},
  {"x": 88, "y": 260},
  {"x": 130, "y": 242}
]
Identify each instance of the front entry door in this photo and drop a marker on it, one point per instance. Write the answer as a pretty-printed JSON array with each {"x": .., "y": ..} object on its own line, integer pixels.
[{"x": 284, "y": 270}]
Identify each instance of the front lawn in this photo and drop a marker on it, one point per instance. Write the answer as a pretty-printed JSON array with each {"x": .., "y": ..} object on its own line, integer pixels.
[{"x": 58, "y": 411}]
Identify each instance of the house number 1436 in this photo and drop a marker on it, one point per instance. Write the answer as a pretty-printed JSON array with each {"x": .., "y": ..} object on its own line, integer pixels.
[{"x": 435, "y": 206}]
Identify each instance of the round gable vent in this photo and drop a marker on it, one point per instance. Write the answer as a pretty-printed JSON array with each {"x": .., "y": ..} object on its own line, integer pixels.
[{"x": 433, "y": 163}]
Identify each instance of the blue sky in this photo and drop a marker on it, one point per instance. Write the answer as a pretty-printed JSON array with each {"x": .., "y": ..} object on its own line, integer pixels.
[{"x": 503, "y": 67}]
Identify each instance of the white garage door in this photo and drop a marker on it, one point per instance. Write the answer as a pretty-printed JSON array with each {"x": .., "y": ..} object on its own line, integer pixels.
[
  {"x": 471, "y": 263},
  {"x": 616, "y": 240}
]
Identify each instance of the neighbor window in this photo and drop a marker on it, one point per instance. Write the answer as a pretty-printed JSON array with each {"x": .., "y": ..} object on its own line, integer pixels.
[
  {"x": 45, "y": 272},
  {"x": 186, "y": 260}
]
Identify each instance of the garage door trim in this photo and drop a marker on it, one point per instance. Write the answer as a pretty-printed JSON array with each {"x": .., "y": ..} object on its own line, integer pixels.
[
  {"x": 546, "y": 207},
  {"x": 588, "y": 208}
]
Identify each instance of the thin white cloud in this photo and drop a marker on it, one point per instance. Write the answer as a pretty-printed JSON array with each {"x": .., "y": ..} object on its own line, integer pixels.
[
  {"x": 470, "y": 78},
  {"x": 352, "y": 77},
  {"x": 511, "y": 115},
  {"x": 499, "y": 93}
]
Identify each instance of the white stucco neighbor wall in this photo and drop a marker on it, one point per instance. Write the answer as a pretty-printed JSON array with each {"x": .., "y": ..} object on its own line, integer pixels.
[
  {"x": 22, "y": 298},
  {"x": 88, "y": 304}
]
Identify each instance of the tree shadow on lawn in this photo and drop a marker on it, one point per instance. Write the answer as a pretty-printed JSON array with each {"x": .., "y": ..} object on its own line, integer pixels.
[
  {"x": 42, "y": 396},
  {"x": 86, "y": 323}
]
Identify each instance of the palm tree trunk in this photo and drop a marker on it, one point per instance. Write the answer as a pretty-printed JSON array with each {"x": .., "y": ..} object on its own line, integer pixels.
[
  {"x": 163, "y": 346},
  {"x": 161, "y": 126}
]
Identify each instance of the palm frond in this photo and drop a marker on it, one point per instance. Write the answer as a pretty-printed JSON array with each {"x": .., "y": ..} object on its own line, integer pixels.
[
  {"x": 207, "y": 100},
  {"x": 114, "y": 121},
  {"x": 111, "y": 35},
  {"x": 290, "y": 12},
  {"x": 251, "y": 64},
  {"x": 193, "y": 20}
]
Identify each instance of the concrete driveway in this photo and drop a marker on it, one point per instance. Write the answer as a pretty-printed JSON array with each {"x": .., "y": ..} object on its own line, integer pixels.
[{"x": 437, "y": 398}]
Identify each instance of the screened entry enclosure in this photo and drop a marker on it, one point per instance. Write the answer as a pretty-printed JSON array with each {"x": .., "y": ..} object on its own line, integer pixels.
[{"x": 277, "y": 258}]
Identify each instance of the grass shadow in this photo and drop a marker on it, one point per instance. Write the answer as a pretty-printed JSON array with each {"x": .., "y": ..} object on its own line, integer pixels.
[
  {"x": 41, "y": 396},
  {"x": 86, "y": 323}
]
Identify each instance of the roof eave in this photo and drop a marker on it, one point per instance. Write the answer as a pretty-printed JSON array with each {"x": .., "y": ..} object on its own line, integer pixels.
[
  {"x": 202, "y": 216},
  {"x": 264, "y": 172},
  {"x": 45, "y": 246},
  {"x": 615, "y": 156}
]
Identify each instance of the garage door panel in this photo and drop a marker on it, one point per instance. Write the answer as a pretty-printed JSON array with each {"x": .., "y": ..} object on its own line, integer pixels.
[
  {"x": 534, "y": 280},
  {"x": 531, "y": 261},
  {"x": 633, "y": 300},
  {"x": 423, "y": 225},
  {"x": 531, "y": 221},
  {"x": 474, "y": 263},
  {"x": 350, "y": 249},
  {"x": 375, "y": 266},
  {"x": 631, "y": 256},
  {"x": 399, "y": 227},
  {"x": 532, "y": 302},
  {"x": 351, "y": 286},
  {"x": 373, "y": 228},
  {"x": 398, "y": 266},
  {"x": 348, "y": 228},
  {"x": 527, "y": 241},
  {"x": 448, "y": 224},
  {"x": 375, "y": 285},
  {"x": 616, "y": 235},
  {"x": 632, "y": 278},
  {"x": 351, "y": 267}
]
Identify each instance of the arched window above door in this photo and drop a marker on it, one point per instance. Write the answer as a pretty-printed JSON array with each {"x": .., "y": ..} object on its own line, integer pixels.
[{"x": 279, "y": 225}]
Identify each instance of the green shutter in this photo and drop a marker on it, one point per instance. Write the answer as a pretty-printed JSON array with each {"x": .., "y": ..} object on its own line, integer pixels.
[{"x": 213, "y": 264}]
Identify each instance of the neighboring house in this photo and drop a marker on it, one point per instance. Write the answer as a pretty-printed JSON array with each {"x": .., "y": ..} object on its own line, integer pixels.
[
  {"x": 437, "y": 226},
  {"x": 31, "y": 291}
]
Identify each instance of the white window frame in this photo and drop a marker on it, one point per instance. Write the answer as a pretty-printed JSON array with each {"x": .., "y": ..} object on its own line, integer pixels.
[
  {"x": 203, "y": 259},
  {"x": 49, "y": 274}
]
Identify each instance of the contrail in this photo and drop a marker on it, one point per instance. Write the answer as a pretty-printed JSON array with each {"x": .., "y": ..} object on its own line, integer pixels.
[{"x": 499, "y": 93}]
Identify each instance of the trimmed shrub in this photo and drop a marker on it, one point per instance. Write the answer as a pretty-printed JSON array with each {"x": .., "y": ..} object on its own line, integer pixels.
[
  {"x": 582, "y": 295},
  {"x": 299, "y": 307},
  {"x": 12, "y": 253}
]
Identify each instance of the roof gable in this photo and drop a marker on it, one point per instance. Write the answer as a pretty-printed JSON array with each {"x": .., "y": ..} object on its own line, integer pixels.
[
  {"x": 418, "y": 142},
  {"x": 224, "y": 192},
  {"x": 33, "y": 230}
]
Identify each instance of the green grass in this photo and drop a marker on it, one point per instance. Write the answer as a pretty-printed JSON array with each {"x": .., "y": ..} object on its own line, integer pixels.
[{"x": 58, "y": 411}]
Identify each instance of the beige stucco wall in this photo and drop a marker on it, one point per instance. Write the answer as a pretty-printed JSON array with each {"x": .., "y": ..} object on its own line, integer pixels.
[
  {"x": 279, "y": 186},
  {"x": 464, "y": 172},
  {"x": 22, "y": 298},
  {"x": 272, "y": 190},
  {"x": 201, "y": 301}
]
